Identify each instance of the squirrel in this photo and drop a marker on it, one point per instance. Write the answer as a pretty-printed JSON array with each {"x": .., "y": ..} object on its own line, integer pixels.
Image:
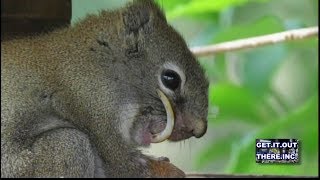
[{"x": 81, "y": 100}]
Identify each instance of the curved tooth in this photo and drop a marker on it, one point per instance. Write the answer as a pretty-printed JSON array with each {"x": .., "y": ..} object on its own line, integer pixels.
[{"x": 159, "y": 137}]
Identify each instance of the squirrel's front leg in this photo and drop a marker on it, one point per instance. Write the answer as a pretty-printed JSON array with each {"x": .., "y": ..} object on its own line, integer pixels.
[
  {"x": 122, "y": 161},
  {"x": 162, "y": 168}
]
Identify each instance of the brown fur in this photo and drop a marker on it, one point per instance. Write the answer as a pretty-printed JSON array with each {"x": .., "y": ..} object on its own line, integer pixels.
[{"x": 61, "y": 94}]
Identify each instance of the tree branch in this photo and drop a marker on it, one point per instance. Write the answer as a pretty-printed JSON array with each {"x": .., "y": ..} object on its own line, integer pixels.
[{"x": 255, "y": 41}]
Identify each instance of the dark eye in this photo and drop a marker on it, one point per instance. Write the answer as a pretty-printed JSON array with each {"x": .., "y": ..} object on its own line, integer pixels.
[{"x": 170, "y": 79}]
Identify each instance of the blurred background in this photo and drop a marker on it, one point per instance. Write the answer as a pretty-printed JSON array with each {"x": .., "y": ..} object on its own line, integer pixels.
[{"x": 265, "y": 92}]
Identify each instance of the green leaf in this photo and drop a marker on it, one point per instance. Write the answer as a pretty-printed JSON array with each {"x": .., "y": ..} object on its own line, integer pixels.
[
  {"x": 236, "y": 102},
  {"x": 263, "y": 26},
  {"x": 299, "y": 72},
  {"x": 259, "y": 67},
  {"x": 244, "y": 161},
  {"x": 215, "y": 68},
  {"x": 169, "y": 5},
  {"x": 216, "y": 150},
  {"x": 199, "y": 7}
]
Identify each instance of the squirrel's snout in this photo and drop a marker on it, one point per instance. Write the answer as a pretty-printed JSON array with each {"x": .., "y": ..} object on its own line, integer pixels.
[{"x": 200, "y": 128}]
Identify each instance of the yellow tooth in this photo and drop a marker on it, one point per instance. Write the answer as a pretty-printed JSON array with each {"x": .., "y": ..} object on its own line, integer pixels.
[{"x": 170, "y": 120}]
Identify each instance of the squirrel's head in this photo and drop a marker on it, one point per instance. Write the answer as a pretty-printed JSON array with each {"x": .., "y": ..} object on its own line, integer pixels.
[{"x": 159, "y": 73}]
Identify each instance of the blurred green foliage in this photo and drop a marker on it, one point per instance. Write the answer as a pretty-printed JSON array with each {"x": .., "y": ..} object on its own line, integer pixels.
[{"x": 273, "y": 89}]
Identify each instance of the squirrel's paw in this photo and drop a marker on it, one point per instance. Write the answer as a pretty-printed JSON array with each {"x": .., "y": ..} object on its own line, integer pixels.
[
  {"x": 162, "y": 158},
  {"x": 163, "y": 168}
]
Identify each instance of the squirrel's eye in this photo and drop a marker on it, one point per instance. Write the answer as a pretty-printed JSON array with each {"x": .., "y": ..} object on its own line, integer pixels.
[{"x": 170, "y": 79}]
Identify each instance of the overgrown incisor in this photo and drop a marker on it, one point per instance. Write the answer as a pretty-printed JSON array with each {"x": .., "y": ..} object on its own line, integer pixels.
[{"x": 78, "y": 102}]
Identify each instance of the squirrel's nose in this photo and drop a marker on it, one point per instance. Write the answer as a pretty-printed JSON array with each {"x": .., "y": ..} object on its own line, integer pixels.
[{"x": 200, "y": 128}]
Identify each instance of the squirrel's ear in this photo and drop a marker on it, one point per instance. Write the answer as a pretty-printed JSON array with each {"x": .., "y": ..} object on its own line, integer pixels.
[
  {"x": 141, "y": 14},
  {"x": 139, "y": 19}
]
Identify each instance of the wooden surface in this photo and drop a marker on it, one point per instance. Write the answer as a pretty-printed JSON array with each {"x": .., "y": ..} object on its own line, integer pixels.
[
  {"x": 198, "y": 175},
  {"x": 29, "y": 17}
]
